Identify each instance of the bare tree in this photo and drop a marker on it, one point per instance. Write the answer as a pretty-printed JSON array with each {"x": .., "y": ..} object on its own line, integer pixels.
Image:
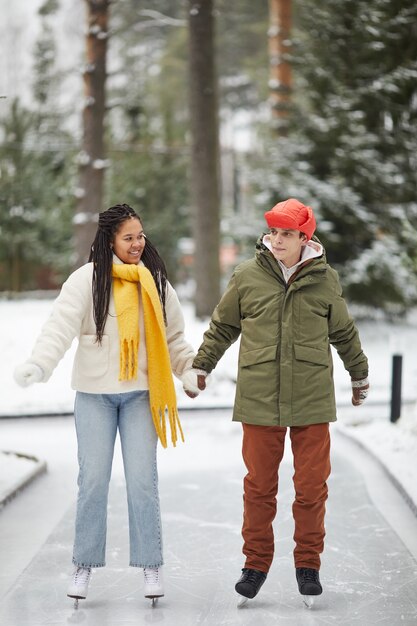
[
  {"x": 204, "y": 171},
  {"x": 91, "y": 158},
  {"x": 280, "y": 68}
]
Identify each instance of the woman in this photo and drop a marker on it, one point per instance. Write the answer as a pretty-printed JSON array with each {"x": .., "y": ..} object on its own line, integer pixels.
[{"x": 130, "y": 330}]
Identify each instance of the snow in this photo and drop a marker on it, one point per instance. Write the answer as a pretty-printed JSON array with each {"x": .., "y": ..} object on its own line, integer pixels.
[
  {"x": 101, "y": 164},
  {"x": 394, "y": 444}
]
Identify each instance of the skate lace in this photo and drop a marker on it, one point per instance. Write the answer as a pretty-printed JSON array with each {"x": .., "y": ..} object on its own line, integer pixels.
[
  {"x": 82, "y": 576},
  {"x": 252, "y": 577},
  {"x": 151, "y": 575},
  {"x": 308, "y": 574}
]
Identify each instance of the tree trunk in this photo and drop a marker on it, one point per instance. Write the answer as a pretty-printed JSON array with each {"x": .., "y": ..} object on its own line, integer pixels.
[
  {"x": 280, "y": 82},
  {"x": 91, "y": 158},
  {"x": 204, "y": 179}
]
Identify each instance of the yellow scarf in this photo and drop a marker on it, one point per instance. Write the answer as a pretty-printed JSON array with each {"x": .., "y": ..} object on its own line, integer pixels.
[{"x": 162, "y": 396}]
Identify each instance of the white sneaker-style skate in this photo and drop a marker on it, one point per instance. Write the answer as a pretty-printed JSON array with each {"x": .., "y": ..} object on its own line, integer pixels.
[
  {"x": 154, "y": 584},
  {"x": 78, "y": 588}
]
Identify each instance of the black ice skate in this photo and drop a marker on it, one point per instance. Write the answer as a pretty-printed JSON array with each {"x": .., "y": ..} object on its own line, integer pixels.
[
  {"x": 249, "y": 584},
  {"x": 308, "y": 584}
]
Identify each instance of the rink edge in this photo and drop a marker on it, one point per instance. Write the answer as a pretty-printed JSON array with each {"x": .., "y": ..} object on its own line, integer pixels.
[
  {"x": 342, "y": 430},
  {"x": 40, "y": 467}
]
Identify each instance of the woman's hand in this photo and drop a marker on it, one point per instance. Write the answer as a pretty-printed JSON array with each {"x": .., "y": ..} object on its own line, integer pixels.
[{"x": 27, "y": 374}]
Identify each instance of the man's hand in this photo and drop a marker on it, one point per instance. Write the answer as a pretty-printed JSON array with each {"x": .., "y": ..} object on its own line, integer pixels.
[
  {"x": 193, "y": 381},
  {"x": 360, "y": 389}
]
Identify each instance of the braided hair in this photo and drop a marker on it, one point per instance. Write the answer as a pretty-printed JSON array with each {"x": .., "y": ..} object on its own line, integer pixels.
[{"x": 101, "y": 255}]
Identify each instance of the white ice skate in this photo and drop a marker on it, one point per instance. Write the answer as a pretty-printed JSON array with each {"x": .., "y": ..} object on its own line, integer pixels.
[
  {"x": 154, "y": 583},
  {"x": 78, "y": 588}
]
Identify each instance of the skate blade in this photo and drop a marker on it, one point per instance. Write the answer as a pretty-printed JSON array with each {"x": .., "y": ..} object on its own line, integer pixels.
[
  {"x": 308, "y": 601},
  {"x": 76, "y": 600},
  {"x": 242, "y": 600},
  {"x": 154, "y": 599}
]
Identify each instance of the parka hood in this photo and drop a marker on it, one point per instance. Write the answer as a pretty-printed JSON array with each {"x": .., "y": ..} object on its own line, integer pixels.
[
  {"x": 311, "y": 250},
  {"x": 315, "y": 249}
]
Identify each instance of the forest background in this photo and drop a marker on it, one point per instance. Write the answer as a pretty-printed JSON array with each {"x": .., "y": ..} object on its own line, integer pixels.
[{"x": 344, "y": 141}]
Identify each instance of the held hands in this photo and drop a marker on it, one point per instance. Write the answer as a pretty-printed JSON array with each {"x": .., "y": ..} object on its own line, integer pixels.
[
  {"x": 360, "y": 389},
  {"x": 27, "y": 374},
  {"x": 193, "y": 381}
]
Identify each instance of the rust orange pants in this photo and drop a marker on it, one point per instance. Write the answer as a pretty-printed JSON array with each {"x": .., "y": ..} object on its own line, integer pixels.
[{"x": 263, "y": 449}]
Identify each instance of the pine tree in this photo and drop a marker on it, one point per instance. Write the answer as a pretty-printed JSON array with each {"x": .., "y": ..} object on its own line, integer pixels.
[
  {"x": 35, "y": 154},
  {"x": 351, "y": 150},
  {"x": 148, "y": 103}
]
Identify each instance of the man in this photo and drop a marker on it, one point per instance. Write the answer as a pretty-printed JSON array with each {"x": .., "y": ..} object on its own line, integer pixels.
[{"x": 287, "y": 306}]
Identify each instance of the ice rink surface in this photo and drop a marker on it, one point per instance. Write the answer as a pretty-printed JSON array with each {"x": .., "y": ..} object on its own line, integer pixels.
[{"x": 369, "y": 574}]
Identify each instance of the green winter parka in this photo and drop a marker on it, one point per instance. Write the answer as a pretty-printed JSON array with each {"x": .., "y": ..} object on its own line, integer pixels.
[{"x": 285, "y": 369}]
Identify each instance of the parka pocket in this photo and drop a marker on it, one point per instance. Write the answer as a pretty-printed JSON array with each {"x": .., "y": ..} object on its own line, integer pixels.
[
  {"x": 260, "y": 355},
  {"x": 319, "y": 356},
  {"x": 257, "y": 374},
  {"x": 92, "y": 358}
]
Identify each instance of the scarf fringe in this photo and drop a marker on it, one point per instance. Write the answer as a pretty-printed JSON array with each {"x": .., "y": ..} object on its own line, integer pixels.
[
  {"x": 159, "y": 420},
  {"x": 128, "y": 359}
]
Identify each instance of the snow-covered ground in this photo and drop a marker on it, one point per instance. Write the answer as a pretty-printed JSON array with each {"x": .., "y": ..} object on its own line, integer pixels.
[{"x": 395, "y": 445}]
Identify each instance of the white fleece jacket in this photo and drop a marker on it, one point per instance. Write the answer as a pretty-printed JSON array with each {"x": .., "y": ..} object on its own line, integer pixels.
[{"x": 96, "y": 367}]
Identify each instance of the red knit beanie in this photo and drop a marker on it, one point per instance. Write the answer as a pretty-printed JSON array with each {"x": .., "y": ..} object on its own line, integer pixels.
[{"x": 292, "y": 214}]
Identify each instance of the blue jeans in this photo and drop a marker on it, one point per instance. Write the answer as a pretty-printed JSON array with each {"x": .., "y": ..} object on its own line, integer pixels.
[{"x": 97, "y": 418}]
